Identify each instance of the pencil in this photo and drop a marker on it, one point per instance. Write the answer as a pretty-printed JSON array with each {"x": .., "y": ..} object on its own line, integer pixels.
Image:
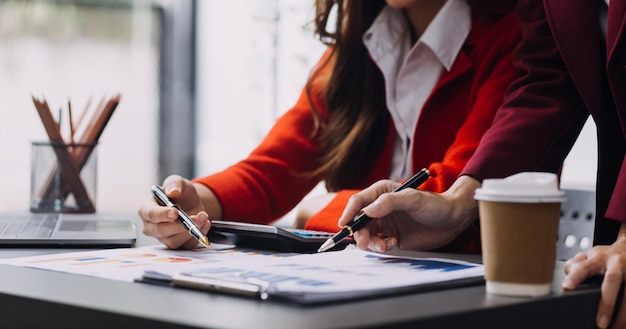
[
  {"x": 69, "y": 114},
  {"x": 70, "y": 174}
]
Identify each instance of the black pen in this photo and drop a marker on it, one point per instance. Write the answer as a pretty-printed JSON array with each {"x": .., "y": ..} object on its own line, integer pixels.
[
  {"x": 363, "y": 219},
  {"x": 183, "y": 218}
]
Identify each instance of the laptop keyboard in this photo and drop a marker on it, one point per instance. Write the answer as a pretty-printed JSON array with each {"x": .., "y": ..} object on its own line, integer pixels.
[{"x": 28, "y": 225}]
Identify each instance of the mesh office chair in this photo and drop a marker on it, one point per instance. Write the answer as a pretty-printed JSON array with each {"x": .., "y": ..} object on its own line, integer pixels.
[{"x": 578, "y": 215}]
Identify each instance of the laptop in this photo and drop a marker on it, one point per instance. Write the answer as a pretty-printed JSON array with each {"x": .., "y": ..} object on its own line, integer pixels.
[{"x": 28, "y": 229}]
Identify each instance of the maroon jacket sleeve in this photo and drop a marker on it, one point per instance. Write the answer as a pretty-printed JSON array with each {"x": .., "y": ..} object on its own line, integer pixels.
[{"x": 542, "y": 113}]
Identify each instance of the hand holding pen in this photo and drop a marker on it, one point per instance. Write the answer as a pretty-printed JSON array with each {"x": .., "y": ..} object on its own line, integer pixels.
[
  {"x": 183, "y": 218},
  {"x": 362, "y": 220}
]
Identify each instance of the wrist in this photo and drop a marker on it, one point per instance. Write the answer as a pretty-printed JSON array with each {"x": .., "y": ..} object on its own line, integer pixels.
[
  {"x": 208, "y": 201},
  {"x": 621, "y": 236},
  {"x": 461, "y": 196}
]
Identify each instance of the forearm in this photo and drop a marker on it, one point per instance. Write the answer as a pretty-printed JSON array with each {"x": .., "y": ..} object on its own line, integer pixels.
[{"x": 516, "y": 141}]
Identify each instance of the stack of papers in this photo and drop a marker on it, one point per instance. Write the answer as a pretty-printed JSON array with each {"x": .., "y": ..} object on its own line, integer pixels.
[{"x": 303, "y": 278}]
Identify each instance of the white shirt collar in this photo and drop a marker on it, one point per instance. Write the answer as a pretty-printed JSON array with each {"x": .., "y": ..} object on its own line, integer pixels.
[{"x": 445, "y": 40}]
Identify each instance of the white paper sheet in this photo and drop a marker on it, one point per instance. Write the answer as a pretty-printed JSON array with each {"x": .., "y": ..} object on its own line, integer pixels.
[{"x": 330, "y": 274}]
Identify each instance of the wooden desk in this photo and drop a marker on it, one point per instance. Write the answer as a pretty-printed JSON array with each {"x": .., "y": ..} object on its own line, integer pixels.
[{"x": 33, "y": 298}]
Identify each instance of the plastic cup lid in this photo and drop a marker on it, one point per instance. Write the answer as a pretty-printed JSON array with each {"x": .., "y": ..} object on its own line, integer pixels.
[{"x": 525, "y": 187}]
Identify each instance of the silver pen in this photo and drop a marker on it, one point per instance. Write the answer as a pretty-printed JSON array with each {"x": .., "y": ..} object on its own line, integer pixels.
[{"x": 183, "y": 218}]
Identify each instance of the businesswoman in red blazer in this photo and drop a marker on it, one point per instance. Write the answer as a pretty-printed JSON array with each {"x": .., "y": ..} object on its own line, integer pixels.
[{"x": 404, "y": 85}]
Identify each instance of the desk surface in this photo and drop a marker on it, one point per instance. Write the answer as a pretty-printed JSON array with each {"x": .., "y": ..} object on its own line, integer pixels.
[{"x": 76, "y": 301}]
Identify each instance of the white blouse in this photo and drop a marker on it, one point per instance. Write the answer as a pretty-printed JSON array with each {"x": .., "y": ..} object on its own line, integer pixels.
[{"x": 412, "y": 71}]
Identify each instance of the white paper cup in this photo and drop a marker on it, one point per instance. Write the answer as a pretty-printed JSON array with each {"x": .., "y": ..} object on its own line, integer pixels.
[{"x": 519, "y": 218}]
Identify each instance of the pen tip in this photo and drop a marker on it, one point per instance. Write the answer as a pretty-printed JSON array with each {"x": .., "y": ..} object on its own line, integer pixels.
[
  {"x": 204, "y": 241},
  {"x": 327, "y": 245}
]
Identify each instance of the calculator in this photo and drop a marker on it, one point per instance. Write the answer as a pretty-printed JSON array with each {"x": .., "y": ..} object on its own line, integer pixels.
[{"x": 268, "y": 237}]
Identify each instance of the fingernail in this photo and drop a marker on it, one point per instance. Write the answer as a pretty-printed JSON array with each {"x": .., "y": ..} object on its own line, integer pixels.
[
  {"x": 603, "y": 321},
  {"x": 205, "y": 224},
  {"x": 567, "y": 284},
  {"x": 172, "y": 214},
  {"x": 391, "y": 243}
]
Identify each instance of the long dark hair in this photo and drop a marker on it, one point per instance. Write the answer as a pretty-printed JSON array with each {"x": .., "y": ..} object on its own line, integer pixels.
[{"x": 356, "y": 131}]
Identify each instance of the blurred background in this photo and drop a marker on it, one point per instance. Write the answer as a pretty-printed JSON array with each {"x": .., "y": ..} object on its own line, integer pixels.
[{"x": 201, "y": 82}]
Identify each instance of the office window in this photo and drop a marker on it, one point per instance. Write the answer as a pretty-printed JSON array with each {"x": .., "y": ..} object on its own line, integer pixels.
[
  {"x": 76, "y": 50},
  {"x": 581, "y": 165},
  {"x": 254, "y": 57}
]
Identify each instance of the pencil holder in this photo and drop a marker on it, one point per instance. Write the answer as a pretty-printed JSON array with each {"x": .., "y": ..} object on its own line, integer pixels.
[{"x": 63, "y": 177}]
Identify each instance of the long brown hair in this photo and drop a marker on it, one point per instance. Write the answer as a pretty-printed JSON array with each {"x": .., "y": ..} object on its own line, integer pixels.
[{"x": 356, "y": 131}]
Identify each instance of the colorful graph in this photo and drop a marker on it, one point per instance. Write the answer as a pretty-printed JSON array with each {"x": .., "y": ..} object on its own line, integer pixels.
[
  {"x": 138, "y": 255},
  {"x": 173, "y": 259}
]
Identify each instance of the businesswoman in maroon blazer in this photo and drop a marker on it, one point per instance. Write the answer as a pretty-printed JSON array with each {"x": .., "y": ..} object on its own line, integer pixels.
[{"x": 571, "y": 69}]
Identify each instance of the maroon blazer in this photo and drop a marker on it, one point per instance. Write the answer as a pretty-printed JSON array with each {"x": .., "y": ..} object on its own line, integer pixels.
[{"x": 565, "y": 64}]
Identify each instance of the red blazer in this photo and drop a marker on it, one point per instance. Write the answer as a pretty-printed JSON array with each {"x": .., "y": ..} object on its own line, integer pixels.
[
  {"x": 565, "y": 79},
  {"x": 267, "y": 184}
]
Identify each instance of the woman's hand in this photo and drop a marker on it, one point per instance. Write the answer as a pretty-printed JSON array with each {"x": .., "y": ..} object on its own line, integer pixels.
[
  {"x": 162, "y": 222},
  {"x": 411, "y": 219},
  {"x": 609, "y": 262}
]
